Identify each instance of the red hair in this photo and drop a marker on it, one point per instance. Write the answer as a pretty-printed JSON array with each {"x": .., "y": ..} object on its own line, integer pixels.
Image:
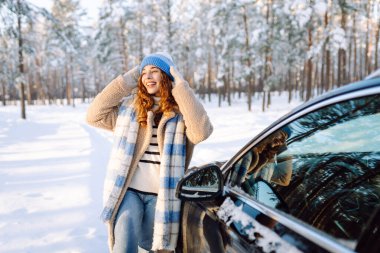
[{"x": 145, "y": 102}]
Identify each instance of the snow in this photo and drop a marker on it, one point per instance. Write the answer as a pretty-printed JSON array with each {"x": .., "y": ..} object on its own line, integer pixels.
[
  {"x": 320, "y": 8},
  {"x": 338, "y": 38},
  {"x": 52, "y": 168},
  {"x": 301, "y": 11},
  {"x": 268, "y": 240}
]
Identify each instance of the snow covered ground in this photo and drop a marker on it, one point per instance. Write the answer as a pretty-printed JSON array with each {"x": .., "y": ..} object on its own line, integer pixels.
[{"x": 52, "y": 167}]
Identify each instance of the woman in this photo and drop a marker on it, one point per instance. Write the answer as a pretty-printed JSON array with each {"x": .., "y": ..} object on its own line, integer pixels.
[{"x": 156, "y": 126}]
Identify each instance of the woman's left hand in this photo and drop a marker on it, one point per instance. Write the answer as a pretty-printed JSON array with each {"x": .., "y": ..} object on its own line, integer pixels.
[{"x": 177, "y": 76}]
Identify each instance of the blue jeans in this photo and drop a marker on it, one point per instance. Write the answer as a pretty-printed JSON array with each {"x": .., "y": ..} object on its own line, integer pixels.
[{"x": 134, "y": 222}]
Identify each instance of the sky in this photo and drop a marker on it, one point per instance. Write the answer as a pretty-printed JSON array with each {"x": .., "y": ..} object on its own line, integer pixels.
[{"x": 91, "y": 7}]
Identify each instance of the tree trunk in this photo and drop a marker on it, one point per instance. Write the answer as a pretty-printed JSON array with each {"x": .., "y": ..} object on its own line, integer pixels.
[
  {"x": 239, "y": 89},
  {"x": 342, "y": 52},
  {"x": 123, "y": 48},
  {"x": 220, "y": 96},
  {"x": 68, "y": 86},
  {"x": 140, "y": 25},
  {"x": 289, "y": 86},
  {"x": 225, "y": 86},
  {"x": 21, "y": 61},
  {"x": 229, "y": 84},
  {"x": 361, "y": 57},
  {"x": 303, "y": 80},
  {"x": 83, "y": 90},
  {"x": 377, "y": 45},
  {"x": 297, "y": 83},
  {"x": 268, "y": 57},
  {"x": 315, "y": 78},
  {"x": 349, "y": 66},
  {"x": 169, "y": 25},
  {"x": 97, "y": 77},
  {"x": 249, "y": 96},
  {"x": 72, "y": 79},
  {"x": 341, "y": 66},
  {"x": 3, "y": 97},
  {"x": 29, "y": 87},
  {"x": 233, "y": 83},
  {"x": 209, "y": 73},
  {"x": 248, "y": 61},
  {"x": 354, "y": 37},
  {"x": 263, "y": 104},
  {"x": 309, "y": 69},
  {"x": 40, "y": 90},
  {"x": 333, "y": 71},
  {"x": 327, "y": 78},
  {"x": 367, "y": 66},
  {"x": 323, "y": 76}
]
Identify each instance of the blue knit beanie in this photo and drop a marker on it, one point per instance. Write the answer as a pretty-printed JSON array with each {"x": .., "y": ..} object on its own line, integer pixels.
[
  {"x": 287, "y": 130},
  {"x": 161, "y": 60}
]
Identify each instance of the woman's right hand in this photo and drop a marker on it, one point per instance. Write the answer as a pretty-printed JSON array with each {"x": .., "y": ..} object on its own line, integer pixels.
[
  {"x": 132, "y": 76},
  {"x": 178, "y": 78}
]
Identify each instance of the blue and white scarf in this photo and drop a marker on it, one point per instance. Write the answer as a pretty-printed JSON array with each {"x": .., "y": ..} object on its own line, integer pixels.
[{"x": 167, "y": 214}]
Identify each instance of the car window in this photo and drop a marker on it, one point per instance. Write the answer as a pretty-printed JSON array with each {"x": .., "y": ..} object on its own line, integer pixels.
[{"x": 323, "y": 167}]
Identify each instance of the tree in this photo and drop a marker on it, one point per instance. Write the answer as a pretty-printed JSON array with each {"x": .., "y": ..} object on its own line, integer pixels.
[
  {"x": 220, "y": 46},
  {"x": 16, "y": 13},
  {"x": 68, "y": 39}
]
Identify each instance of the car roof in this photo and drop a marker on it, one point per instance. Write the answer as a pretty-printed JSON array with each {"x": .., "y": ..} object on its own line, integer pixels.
[{"x": 353, "y": 87}]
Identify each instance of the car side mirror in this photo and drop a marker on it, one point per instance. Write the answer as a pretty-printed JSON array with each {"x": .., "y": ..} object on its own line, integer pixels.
[{"x": 204, "y": 183}]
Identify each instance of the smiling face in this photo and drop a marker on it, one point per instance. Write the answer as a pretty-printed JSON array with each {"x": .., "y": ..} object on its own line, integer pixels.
[{"x": 151, "y": 77}]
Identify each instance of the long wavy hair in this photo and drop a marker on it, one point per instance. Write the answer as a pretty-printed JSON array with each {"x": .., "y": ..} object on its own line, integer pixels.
[{"x": 145, "y": 101}]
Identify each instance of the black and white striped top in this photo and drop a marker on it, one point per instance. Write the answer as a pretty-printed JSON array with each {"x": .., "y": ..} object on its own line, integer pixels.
[{"x": 146, "y": 176}]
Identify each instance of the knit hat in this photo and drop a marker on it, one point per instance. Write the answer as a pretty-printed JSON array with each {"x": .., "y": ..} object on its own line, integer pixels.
[
  {"x": 287, "y": 130},
  {"x": 161, "y": 60}
]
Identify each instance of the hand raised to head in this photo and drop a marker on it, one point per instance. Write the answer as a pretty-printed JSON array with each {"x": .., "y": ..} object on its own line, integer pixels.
[
  {"x": 178, "y": 78},
  {"x": 132, "y": 76}
]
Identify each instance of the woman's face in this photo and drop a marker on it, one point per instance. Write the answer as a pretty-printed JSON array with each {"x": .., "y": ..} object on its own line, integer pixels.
[{"x": 151, "y": 77}]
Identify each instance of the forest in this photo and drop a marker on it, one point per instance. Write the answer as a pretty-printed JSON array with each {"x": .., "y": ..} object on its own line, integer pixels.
[{"x": 229, "y": 48}]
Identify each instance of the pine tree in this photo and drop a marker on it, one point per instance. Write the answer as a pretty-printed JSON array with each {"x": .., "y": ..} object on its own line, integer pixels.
[
  {"x": 67, "y": 37},
  {"x": 14, "y": 15}
]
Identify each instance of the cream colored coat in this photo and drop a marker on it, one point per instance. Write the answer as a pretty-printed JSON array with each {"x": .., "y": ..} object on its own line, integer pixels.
[{"x": 103, "y": 113}]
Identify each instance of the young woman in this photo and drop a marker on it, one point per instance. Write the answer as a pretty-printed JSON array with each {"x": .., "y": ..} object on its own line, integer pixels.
[{"x": 156, "y": 126}]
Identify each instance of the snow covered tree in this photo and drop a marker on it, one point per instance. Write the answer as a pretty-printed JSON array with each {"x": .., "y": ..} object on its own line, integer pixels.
[
  {"x": 111, "y": 36},
  {"x": 226, "y": 47},
  {"x": 67, "y": 38},
  {"x": 14, "y": 16}
]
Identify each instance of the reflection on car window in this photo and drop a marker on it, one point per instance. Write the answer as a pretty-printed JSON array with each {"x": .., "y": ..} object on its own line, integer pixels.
[
  {"x": 325, "y": 167},
  {"x": 266, "y": 161}
]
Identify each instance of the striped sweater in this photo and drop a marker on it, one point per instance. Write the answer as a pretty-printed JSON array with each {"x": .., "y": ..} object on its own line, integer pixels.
[{"x": 147, "y": 172}]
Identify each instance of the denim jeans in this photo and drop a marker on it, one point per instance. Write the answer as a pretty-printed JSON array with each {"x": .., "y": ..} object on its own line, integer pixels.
[{"x": 134, "y": 222}]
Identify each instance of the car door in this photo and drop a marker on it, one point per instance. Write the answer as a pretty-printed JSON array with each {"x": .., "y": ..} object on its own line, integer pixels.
[
  {"x": 312, "y": 181},
  {"x": 201, "y": 228},
  {"x": 308, "y": 183}
]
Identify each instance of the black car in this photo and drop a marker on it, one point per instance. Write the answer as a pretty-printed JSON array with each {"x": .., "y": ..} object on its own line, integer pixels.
[{"x": 310, "y": 182}]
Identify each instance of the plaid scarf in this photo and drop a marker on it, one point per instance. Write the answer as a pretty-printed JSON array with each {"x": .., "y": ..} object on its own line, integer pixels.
[
  {"x": 240, "y": 170},
  {"x": 168, "y": 207}
]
